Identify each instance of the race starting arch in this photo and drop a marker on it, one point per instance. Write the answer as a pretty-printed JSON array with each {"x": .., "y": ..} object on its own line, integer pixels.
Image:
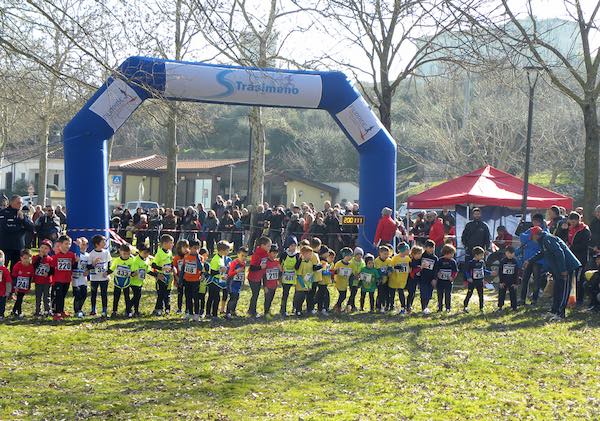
[{"x": 141, "y": 78}]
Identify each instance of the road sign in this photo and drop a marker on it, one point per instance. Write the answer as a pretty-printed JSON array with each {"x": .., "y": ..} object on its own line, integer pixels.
[
  {"x": 353, "y": 220},
  {"x": 116, "y": 179}
]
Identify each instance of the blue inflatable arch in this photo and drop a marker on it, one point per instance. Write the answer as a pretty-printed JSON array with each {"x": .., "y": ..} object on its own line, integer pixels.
[{"x": 141, "y": 78}]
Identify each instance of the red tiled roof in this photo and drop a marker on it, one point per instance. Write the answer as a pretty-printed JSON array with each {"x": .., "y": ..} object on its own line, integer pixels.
[{"x": 159, "y": 163}]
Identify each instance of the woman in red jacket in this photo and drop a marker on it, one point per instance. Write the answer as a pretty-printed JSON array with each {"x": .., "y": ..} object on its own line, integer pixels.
[
  {"x": 437, "y": 232},
  {"x": 386, "y": 228}
]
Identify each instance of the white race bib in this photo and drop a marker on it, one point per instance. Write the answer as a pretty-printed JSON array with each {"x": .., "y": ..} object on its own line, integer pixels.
[
  {"x": 346, "y": 272},
  {"x": 42, "y": 270},
  {"x": 272, "y": 274},
  {"x": 191, "y": 268},
  {"x": 427, "y": 264},
  {"x": 366, "y": 278},
  {"x": 123, "y": 272},
  {"x": 289, "y": 276},
  {"x": 239, "y": 277},
  {"x": 508, "y": 269},
  {"x": 445, "y": 275},
  {"x": 478, "y": 273},
  {"x": 22, "y": 282},
  {"x": 63, "y": 264},
  {"x": 142, "y": 274}
]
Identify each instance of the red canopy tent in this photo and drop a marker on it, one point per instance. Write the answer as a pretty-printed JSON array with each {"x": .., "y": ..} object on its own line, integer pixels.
[{"x": 487, "y": 186}]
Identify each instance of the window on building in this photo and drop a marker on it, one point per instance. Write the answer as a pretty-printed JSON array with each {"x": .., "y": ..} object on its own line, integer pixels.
[{"x": 56, "y": 178}]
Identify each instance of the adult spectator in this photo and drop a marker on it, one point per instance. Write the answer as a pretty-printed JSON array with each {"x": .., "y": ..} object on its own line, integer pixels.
[
  {"x": 437, "y": 232},
  {"x": 29, "y": 235},
  {"x": 386, "y": 228},
  {"x": 257, "y": 226},
  {"x": 226, "y": 225},
  {"x": 318, "y": 228},
  {"x": 13, "y": 228},
  {"x": 276, "y": 225},
  {"x": 155, "y": 225},
  {"x": 558, "y": 224},
  {"x": 448, "y": 219},
  {"x": 169, "y": 222},
  {"x": 294, "y": 228},
  {"x": 245, "y": 219},
  {"x": 561, "y": 262},
  {"x": 48, "y": 226},
  {"x": 595, "y": 231},
  {"x": 3, "y": 202},
  {"x": 211, "y": 226},
  {"x": 38, "y": 212},
  {"x": 201, "y": 213},
  {"x": 61, "y": 213},
  {"x": 237, "y": 202},
  {"x": 189, "y": 225},
  {"x": 218, "y": 207},
  {"x": 125, "y": 218},
  {"x": 137, "y": 216},
  {"x": 418, "y": 229},
  {"x": 334, "y": 229},
  {"x": 529, "y": 249},
  {"x": 475, "y": 234},
  {"x": 238, "y": 229},
  {"x": 579, "y": 243}
]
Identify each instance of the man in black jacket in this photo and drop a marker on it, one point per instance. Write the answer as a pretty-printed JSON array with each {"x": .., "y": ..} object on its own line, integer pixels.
[
  {"x": 558, "y": 224},
  {"x": 579, "y": 241},
  {"x": 13, "y": 227},
  {"x": 595, "y": 231},
  {"x": 48, "y": 226},
  {"x": 475, "y": 234}
]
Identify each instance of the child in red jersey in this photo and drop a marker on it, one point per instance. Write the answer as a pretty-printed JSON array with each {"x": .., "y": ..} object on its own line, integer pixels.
[
  {"x": 236, "y": 276},
  {"x": 63, "y": 264},
  {"x": 42, "y": 278},
  {"x": 5, "y": 285},
  {"x": 22, "y": 273},
  {"x": 272, "y": 278},
  {"x": 258, "y": 265}
]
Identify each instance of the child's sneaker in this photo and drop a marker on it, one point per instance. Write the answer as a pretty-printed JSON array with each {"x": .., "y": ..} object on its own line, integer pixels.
[
  {"x": 348, "y": 309},
  {"x": 185, "y": 316},
  {"x": 195, "y": 318},
  {"x": 427, "y": 311},
  {"x": 80, "y": 315},
  {"x": 167, "y": 312},
  {"x": 228, "y": 316},
  {"x": 298, "y": 314},
  {"x": 158, "y": 312},
  {"x": 178, "y": 311},
  {"x": 130, "y": 314},
  {"x": 382, "y": 311},
  {"x": 324, "y": 312},
  {"x": 465, "y": 310},
  {"x": 362, "y": 309},
  {"x": 403, "y": 312},
  {"x": 57, "y": 316},
  {"x": 448, "y": 310},
  {"x": 313, "y": 311},
  {"x": 113, "y": 314}
]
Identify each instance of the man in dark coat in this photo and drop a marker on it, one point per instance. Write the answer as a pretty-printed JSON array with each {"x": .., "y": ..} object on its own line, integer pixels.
[
  {"x": 13, "y": 228},
  {"x": 475, "y": 234}
]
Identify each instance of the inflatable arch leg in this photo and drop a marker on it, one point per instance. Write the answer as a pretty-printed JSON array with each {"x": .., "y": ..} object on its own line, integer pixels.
[{"x": 141, "y": 78}]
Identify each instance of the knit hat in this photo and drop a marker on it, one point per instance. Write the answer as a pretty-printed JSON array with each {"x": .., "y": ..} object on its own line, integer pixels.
[
  {"x": 274, "y": 247},
  {"x": 346, "y": 251},
  {"x": 46, "y": 243},
  {"x": 402, "y": 247},
  {"x": 369, "y": 257},
  {"x": 290, "y": 240},
  {"x": 358, "y": 250}
]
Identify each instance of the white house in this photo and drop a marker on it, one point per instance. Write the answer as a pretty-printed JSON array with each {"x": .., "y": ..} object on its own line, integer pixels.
[{"x": 19, "y": 167}]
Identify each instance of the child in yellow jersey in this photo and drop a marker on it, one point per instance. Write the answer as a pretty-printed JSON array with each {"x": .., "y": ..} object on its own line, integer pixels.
[
  {"x": 342, "y": 273},
  {"x": 311, "y": 297},
  {"x": 399, "y": 277},
  {"x": 322, "y": 297},
  {"x": 383, "y": 263},
  {"x": 305, "y": 277},
  {"x": 357, "y": 263},
  {"x": 289, "y": 259}
]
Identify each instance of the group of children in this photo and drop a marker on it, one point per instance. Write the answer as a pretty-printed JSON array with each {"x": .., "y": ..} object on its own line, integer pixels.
[{"x": 212, "y": 285}]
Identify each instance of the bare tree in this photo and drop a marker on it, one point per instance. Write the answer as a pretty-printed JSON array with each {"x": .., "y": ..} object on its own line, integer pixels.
[{"x": 573, "y": 69}]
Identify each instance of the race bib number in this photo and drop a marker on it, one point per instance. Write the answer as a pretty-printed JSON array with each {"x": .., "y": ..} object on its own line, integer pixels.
[
  {"x": 63, "y": 264},
  {"x": 99, "y": 268},
  {"x": 272, "y": 274},
  {"x": 42, "y": 270},
  {"x": 22, "y": 282},
  {"x": 346, "y": 272},
  {"x": 168, "y": 268},
  {"x": 263, "y": 261},
  {"x": 123, "y": 272},
  {"x": 444, "y": 275},
  {"x": 288, "y": 276},
  {"x": 191, "y": 268},
  {"x": 427, "y": 264},
  {"x": 239, "y": 277},
  {"x": 366, "y": 278},
  {"x": 478, "y": 273},
  {"x": 403, "y": 268},
  {"x": 142, "y": 274},
  {"x": 508, "y": 269}
]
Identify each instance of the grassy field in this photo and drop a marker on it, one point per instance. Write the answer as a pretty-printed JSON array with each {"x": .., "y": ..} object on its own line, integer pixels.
[{"x": 359, "y": 366}]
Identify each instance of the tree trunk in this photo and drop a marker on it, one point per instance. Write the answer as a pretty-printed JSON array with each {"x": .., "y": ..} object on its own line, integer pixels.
[
  {"x": 553, "y": 176},
  {"x": 172, "y": 149},
  {"x": 592, "y": 150},
  {"x": 385, "y": 108},
  {"x": 257, "y": 165},
  {"x": 43, "y": 166}
]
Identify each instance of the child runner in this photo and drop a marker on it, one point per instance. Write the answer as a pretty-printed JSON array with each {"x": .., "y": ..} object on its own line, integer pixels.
[
  {"x": 258, "y": 265},
  {"x": 357, "y": 263},
  {"x": 98, "y": 264},
  {"x": 162, "y": 264},
  {"x": 192, "y": 273},
  {"x": 414, "y": 277},
  {"x": 508, "y": 271},
  {"x": 305, "y": 276},
  {"x": 182, "y": 248},
  {"x": 399, "y": 277},
  {"x": 326, "y": 261},
  {"x": 204, "y": 280},
  {"x": 139, "y": 269},
  {"x": 121, "y": 270},
  {"x": 383, "y": 263},
  {"x": 289, "y": 260},
  {"x": 311, "y": 296},
  {"x": 445, "y": 271},
  {"x": 5, "y": 282},
  {"x": 236, "y": 277},
  {"x": 475, "y": 273},
  {"x": 219, "y": 265},
  {"x": 80, "y": 278},
  {"x": 342, "y": 273},
  {"x": 272, "y": 278},
  {"x": 428, "y": 262},
  {"x": 63, "y": 263},
  {"x": 369, "y": 279},
  {"x": 22, "y": 274},
  {"x": 42, "y": 277}
]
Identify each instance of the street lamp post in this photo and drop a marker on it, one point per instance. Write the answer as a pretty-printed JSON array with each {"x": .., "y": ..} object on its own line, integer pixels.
[{"x": 533, "y": 73}]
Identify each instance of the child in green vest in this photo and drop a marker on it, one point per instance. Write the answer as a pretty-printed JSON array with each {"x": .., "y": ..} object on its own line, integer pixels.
[
  {"x": 162, "y": 264},
  {"x": 369, "y": 278},
  {"x": 139, "y": 271}
]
